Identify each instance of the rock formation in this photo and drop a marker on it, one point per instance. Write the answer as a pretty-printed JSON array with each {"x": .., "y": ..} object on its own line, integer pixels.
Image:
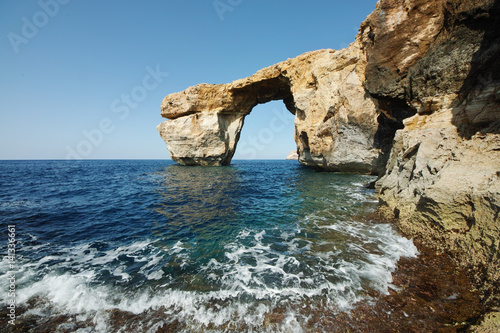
[
  {"x": 415, "y": 99},
  {"x": 292, "y": 155},
  {"x": 442, "y": 180},
  {"x": 335, "y": 120}
]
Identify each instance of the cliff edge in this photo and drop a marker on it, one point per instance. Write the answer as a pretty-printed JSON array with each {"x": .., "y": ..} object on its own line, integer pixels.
[{"x": 442, "y": 180}]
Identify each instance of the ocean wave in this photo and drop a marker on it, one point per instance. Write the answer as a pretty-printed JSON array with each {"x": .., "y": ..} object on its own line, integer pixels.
[
  {"x": 260, "y": 272},
  {"x": 135, "y": 246}
]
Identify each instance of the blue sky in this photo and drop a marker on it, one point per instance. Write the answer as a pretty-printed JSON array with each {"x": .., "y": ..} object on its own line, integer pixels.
[{"x": 69, "y": 68}]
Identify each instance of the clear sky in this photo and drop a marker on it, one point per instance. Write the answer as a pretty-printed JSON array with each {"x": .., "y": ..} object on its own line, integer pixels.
[{"x": 86, "y": 78}]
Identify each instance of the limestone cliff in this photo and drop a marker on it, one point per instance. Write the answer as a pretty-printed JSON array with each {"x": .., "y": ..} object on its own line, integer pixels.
[
  {"x": 442, "y": 181},
  {"x": 415, "y": 99},
  {"x": 335, "y": 120}
]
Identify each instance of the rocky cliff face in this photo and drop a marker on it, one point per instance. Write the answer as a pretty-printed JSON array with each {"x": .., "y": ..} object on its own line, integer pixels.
[
  {"x": 335, "y": 120},
  {"x": 442, "y": 180},
  {"x": 415, "y": 99}
]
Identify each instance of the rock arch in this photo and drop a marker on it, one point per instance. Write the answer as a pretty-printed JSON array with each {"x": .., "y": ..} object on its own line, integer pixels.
[{"x": 335, "y": 119}]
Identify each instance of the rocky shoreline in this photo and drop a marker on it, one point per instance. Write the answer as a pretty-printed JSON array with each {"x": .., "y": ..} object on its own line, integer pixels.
[
  {"x": 429, "y": 293},
  {"x": 415, "y": 99}
]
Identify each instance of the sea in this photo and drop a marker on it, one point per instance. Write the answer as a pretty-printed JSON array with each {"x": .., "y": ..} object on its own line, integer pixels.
[{"x": 152, "y": 246}]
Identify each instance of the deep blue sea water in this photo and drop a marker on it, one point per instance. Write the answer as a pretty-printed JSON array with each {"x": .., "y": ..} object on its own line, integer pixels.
[{"x": 136, "y": 245}]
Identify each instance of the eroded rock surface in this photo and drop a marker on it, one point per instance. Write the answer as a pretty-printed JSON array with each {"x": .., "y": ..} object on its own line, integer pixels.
[
  {"x": 335, "y": 120},
  {"x": 442, "y": 180},
  {"x": 445, "y": 190},
  {"x": 202, "y": 138}
]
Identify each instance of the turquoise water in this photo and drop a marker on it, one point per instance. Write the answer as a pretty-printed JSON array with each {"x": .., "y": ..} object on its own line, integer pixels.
[{"x": 140, "y": 245}]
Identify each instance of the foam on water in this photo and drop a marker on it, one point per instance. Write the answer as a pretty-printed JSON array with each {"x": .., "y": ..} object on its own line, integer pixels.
[
  {"x": 261, "y": 271},
  {"x": 237, "y": 262}
]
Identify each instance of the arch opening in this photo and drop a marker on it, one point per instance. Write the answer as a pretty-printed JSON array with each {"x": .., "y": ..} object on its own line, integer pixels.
[{"x": 267, "y": 133}]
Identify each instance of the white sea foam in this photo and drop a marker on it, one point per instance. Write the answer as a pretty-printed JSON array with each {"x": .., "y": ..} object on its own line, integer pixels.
[
  {"x": 20, "y": 204},
  {"x": 253, "y": 278}
]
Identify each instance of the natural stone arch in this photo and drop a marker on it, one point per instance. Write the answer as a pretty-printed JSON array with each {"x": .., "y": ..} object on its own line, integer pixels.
[
  {"x": 207, "y": 119},
  {"x": 335, "y": 119}
]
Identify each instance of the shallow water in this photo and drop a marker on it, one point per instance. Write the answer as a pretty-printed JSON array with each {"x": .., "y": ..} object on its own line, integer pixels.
[{"x": 149, "y": 245}]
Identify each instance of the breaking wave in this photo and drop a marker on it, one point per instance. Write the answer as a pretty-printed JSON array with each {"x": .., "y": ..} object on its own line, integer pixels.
[{"x": 235, "y": 270}]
